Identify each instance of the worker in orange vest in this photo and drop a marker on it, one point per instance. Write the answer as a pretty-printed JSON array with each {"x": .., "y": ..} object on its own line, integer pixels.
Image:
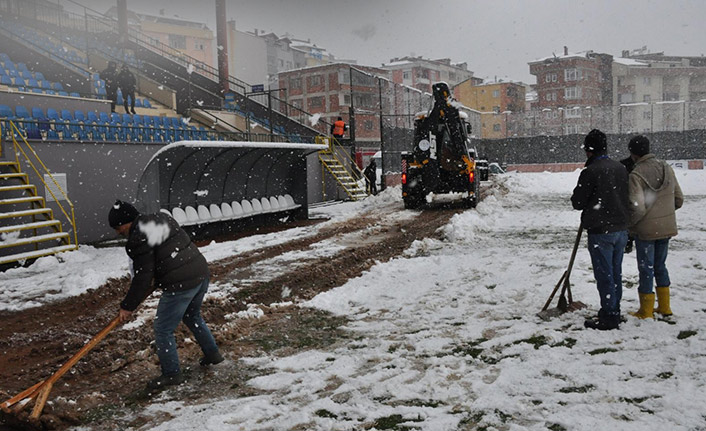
[{"x": 338, "y": 128}]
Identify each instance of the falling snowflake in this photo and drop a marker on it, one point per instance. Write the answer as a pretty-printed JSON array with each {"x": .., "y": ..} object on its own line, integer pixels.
[
  {"x": 186, "y": 120},
  {"x": 314, "y": 119},
  {"x": 199, "y": 102},
  {"x": 161, "y": 87},
  {"x": 190, "y": 69}
]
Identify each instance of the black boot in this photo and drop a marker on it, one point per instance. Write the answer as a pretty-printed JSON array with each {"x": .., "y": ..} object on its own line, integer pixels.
[
  {"x": 604, "y": 322},
  {"x": 163, "y": 381},
  {"x": 211, "y": 359}
]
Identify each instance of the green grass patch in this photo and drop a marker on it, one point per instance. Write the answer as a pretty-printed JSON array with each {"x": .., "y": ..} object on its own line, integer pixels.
[
  {"x": 391, "y": 422},
  {"x": 685, "y": 334},
  {"x": 556, "y": 427},
  {"x": 577, "y": 389},
  {"x": 491, "y": 286},
  {"x": 665, "y": 375},
  {"x": 602, "y": 351},
  {"x": 535, "y": 340},
  {"x": 323, "y": 413},
  {"x": 567, "y": 342}
]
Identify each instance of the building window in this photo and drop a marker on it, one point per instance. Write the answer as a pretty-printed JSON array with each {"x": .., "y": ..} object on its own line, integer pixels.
[
  {"x": 496, "y": 109},
  {"x": 295, "y": 83},
  {"x": 670, "y": 97},
  {"x": 496, "y": 127},
  {"x": 316, "y": 102},
  {"x": 368, "y": 124},
  {"x": 572, "y": 113},
  {"x": 177, "y": 41},
  {"x": 550, "y": 97},
  {"x": 198, "y": 46},
  {"x": 571, "y": 93},
  {"x": 405, "y": 75},
  {"x": 625, "y": 98},
  {"x": 496, "y": 93},
  {"x": 315, "y": 80},
  {"x": 297, "y": 103},
  {"x": 347, "y": 99},
  {"x": 646, "y": 80},
  {"x": 647, "y": 115},
  {"x": 571, "y": 129},
  {"x": 646, "y": 98},
  {"x": 550, "y": 77},
  {"x": 571, "y": 75}
]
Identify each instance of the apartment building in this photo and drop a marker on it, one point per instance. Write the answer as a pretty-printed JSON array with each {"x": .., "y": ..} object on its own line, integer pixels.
[
  {"x": 327, "y": 89},
  {"x": 192, "y": 38},
  {"x": 658, "y": 92},
  {"x": 496, "y": 102},
  {"x": 568, "y": 86},
  {"x": 421, "y": 73}
]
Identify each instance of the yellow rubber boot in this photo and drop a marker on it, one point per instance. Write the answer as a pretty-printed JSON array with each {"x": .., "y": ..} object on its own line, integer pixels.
[
  {"x": 647, "y": 306},
  {"x": 663, "y": 301}
]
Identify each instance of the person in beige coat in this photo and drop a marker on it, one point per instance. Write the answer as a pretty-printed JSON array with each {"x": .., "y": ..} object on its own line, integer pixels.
[{"x": 655, "y": 196}]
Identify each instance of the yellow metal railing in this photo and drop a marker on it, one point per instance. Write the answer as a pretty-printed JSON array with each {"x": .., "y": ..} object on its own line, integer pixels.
[
  {"x": 14, "y": 132},
  {"x": 335, "y": 150}
]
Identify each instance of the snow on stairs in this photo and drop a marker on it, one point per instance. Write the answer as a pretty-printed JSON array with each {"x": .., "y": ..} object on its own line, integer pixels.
[
  {"x": 25, "y": 221},
  {"x": 353, "y": 188}
]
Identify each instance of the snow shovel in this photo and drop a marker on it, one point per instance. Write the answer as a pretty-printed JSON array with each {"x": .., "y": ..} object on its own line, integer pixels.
[
  {"x": 40, "y": 391},
  {"x": 564, "y": 305}
]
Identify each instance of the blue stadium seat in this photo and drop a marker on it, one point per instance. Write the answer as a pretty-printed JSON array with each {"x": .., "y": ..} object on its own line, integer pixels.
[
  {"x": 5, "y": 80},
  {"x": 104, "y": 117},
  {"x": 102, "y": 92},
  {"x": 66, "y": 115},
  {"x": 37, "y": 90},
  {"x": 17, "y": 81},
  {"x": 91, "y": 116},
  {"x": 57, "y": 86},
  {"x": 2, "y": 71},
  {"x": 115, "y": 117},
  {"x": 74, "y": 94},
  {"x": 176, "y": 122},
  {"x": 4, "y": 57},
  {"x": 6, "y": 112},
  {"x": 51, "y": 92},
  {"x": 26, "y": 74},
  {"x": 32, "y": 83},
  {"x": 52, "y": 114},
  {"x": 38, "y": 76},
  {"x": 45, "y": 84},
  {"x": 22, "y": 112},
  {"x": 13, "y": 73},
  {"x": 63, "y": 93},
  {"x": 22, "y": 67},
  {"x": 79, "y": 115},
  {"x": 137, "y": 120},
  {"x": 146, "y": 103},
  {"x": 138, "y": 102},
  {"x": 127, "y": 119},
  {"x": 119, "y": 100}
]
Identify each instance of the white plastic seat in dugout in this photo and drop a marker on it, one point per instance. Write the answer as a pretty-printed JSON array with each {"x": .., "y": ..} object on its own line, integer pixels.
[
  {"x": 247, "y": 207},
  {"x": 274, "y": 203},
  {"x": 266, "y": 207},
  {"x": 226, "y": 210},
  {"x": 204, "y": 215},
  {"x": 237, "y": 209},
  {"x": 165, "y": 211},
  {"x": 282, "y": 202},
  {"x": 191, "y": 215},
  {"x": 215, "y": 211},
  {"x": 256, "y": 206},
  {"x": 179, "y": 215},
  {"x": 290, "y": 201}
]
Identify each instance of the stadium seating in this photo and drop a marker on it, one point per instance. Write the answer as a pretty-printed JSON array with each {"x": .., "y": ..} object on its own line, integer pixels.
[{"x": 202, "y": 214}]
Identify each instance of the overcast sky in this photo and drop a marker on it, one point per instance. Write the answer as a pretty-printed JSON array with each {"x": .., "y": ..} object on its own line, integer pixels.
[{"x": 495, "y": 38}]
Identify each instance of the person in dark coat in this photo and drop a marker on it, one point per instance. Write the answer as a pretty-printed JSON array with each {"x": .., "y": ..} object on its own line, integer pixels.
[
  {"x": 110, "y": 76},
  {"x": 370, "y": 173},
  {"x": 602, "y": 196},
  {"x": 162, "y": 252},
  {"x": 127, "y": 83}
]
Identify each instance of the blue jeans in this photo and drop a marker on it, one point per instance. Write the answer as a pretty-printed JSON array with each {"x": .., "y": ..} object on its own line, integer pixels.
[
  {"x": 184, "y": 306},
  {"x": 606, "y": 250},
  {"x": 651, "y": 263}
]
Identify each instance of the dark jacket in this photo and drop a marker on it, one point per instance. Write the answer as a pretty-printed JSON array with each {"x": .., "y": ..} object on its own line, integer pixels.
[
  {"x": 110, "y": 76},
  {"x": 602, "y": 196},
  {"x": 370, "y": 171},
  {"x": 161, "y": 251},
  {"x": 126, "y": 80}
]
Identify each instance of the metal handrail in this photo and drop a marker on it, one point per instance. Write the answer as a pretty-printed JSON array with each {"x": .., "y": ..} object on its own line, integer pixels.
[
  {"x": 334, "y": 149},
  {"x": 18, "y": 148}
]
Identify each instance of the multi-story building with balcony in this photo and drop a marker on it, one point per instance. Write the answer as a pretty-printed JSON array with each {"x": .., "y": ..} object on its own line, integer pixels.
[
  {"x": 496, "y": 101},
  {"x": 421, "y": 73},
  {"x": 192, "y": 38},
  {"x": 569, "y": 86},
  {"x": 657, "y": 92},
  {"x": 331, "y": 90}
]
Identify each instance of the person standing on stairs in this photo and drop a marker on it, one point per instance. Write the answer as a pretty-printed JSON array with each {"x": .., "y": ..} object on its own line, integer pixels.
[{"x": 127, "y": 83}]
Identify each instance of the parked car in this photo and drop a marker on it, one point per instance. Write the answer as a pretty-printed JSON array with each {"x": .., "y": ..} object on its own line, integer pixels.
[{"x": 494, "y": 168}]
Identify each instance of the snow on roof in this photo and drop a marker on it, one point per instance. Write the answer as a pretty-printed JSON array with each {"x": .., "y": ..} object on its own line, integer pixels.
[
  {"x": 629, "y": 61},
  {"x": 581, "y": 54}
]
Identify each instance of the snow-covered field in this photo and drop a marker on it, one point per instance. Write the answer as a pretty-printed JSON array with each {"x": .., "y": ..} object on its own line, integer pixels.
[{"x": 447, "y": 335}]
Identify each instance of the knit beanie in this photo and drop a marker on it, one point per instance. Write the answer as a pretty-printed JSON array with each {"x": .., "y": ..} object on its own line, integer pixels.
[
  {"x": 122, "y": 213},
  {"x": 639, "y": 145},
  {"x": 595, "y": 142}
]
